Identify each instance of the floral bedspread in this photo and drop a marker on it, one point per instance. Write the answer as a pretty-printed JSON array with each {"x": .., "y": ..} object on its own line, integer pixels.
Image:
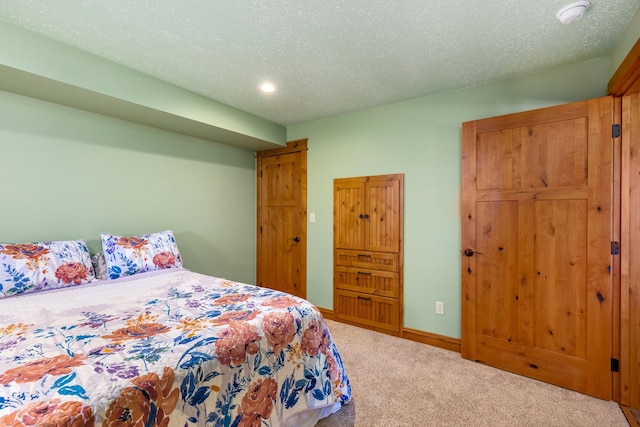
[{"x": 171, "y": 348}]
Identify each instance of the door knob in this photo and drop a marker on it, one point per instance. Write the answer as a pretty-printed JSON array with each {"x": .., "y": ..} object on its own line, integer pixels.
[{"x": 469, "y": 253}]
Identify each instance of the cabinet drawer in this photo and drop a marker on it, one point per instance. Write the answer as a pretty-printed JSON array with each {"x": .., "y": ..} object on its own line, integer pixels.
[
  {"x": 365, "y": 259},
  {"x": 367, "y": 309},
  {"x": 374, "y": 282}
]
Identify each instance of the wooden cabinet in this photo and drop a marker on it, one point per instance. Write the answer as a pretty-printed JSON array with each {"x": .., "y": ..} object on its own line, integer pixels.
[{"x": 368, "y": 233}]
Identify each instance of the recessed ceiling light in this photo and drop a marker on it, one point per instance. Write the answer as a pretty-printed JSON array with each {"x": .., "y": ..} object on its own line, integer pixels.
[
  {"x": 572, "y": 11},
  {"x": 267, "y": 87}
]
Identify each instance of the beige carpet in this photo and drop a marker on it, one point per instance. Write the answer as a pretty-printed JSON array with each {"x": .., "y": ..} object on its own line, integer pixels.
[{"x": 397, "y": 382}]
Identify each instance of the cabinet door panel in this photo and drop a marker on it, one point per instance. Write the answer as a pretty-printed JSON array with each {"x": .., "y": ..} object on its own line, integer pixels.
[
  {"x": 383, "y": 211},
  {"x": 348, "y": 205}
]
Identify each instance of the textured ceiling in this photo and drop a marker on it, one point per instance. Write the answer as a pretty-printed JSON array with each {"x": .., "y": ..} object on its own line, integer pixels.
[{"x": 326, "y": 57}]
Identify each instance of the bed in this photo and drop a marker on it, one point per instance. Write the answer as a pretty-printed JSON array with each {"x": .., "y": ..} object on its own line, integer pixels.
[{"x": 156, "y": 346}]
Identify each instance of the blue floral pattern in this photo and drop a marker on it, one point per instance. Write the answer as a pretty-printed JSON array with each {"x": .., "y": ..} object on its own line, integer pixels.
[
  {"x": 129, "y": 255},
  {"x": 171, "y": 348},
  {"x": 32, "y": 267}
]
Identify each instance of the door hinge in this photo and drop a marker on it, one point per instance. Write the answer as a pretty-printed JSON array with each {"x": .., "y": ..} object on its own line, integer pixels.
[
  {"x": 615, "y": 248},
  {"x": 260, "y": 229},
  {"x": 260, "y": 173},
  {"x": 616, "y": 131},
  {"x": 615, "y": 365}
]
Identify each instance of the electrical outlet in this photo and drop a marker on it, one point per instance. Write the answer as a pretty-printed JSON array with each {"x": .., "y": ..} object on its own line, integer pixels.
[{"x": 439, "y": 307}]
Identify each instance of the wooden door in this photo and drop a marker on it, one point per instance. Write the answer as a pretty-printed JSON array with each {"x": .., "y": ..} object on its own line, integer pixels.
[
  {"x": 536, "y": 241},
  {"x": 630, "y": 243},
  {"x": 282, "y": 211},
  {"x": 625, "y": 83}
]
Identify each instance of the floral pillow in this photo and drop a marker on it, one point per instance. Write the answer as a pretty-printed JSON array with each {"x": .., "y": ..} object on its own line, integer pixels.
[
  {"x": 32, "y": 267},
  {"x": 99, "y": 265},
  {"x": 127, "y": 255}
]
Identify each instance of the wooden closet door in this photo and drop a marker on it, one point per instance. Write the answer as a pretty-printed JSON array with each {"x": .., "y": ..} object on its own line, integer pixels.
[
  {"x": 536, "y": 241},
  {"x": 382, "y": 222},
  {"x": 349, "y": 211},
  {"x": 368, "y": 211}
]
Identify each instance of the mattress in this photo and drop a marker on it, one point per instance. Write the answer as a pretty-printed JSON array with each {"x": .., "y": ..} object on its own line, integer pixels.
[{"x": 167, "y": 348}]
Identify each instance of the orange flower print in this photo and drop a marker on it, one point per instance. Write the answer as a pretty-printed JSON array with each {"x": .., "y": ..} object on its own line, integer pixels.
[
  {"x": 231, "y": 316},
  {"x": 132, "y": 242},
  {"x": 231, "y": 299},
  {"x": 131, "y": 408},
  {"x": 25, "y": 251},
  {"x": 70, "y": 272},
  {"x": 281, "y": 302},
  {"x": 312, "y": 339},
  {"x": 257, "y": 403},
  {"x": 279, "y": 328},
  {"x": 235, "y": 342},
  {"x": 294, "y": 354},
  {"x": 34, "y": 254},
  {"x": 16, "y": 329},
  {"x": 227, "y": 284},
  {"x": 192, "y": 326},
  {"x": 142, "y": 326},
  {"x": 53, "y": 413},
  {"x": 164, "y": 260},
  {"x": 34, "y": 371},
  {"x": 149, "y": 402}
]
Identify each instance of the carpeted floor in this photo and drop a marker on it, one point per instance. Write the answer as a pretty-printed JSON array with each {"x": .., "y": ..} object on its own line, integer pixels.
[{"x": 397, "y": 382}]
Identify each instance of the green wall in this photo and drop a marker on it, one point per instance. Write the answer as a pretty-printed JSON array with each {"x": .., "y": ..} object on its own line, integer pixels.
[
  {"x": 627, "y": 41},
  {"x": 421, "y": 138},
  {"x": 70, "y": 174}
]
